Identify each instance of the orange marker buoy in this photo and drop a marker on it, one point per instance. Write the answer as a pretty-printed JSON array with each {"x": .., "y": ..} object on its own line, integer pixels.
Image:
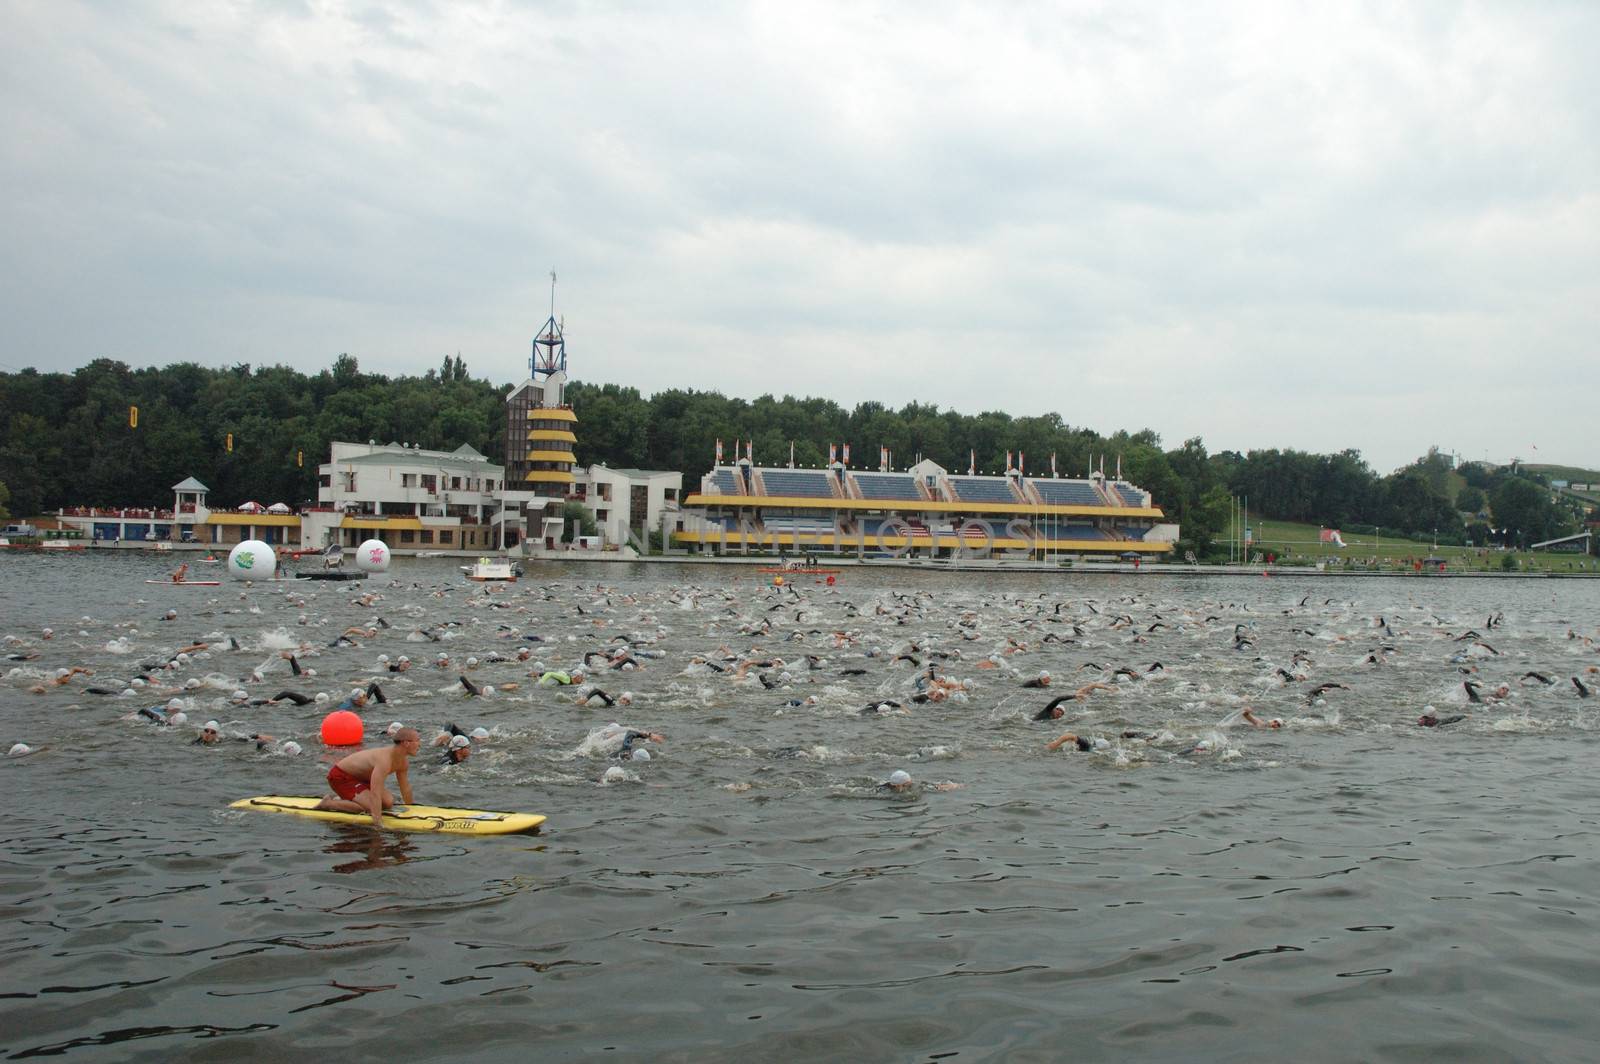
[
  {"x": 342, "y": 728},
  {"x": 777, "y": 581},
  {"x": 830, "y": 581}
]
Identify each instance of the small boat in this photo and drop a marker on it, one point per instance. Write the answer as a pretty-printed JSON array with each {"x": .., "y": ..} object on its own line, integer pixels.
[
  {"x": 161, "y": 546},
  {"x": 61, "y": 544},
  {"x": 187, "y": 583},
  {"x": 488, "y": 569}
]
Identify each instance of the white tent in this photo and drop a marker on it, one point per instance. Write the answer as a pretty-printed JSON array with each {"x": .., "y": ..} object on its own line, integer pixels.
[
  {"x": 251, "y": 507},
  {"x": 278, "y": 508}
]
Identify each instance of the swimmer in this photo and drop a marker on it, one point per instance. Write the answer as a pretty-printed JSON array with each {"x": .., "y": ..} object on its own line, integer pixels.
[
  {"x": 899, "y": 780},
  {"x": 1042, "y": 680},
  {"x": 1250, "y": 718},
  {"x": 285, "y": 696},
  {"x": 588, "y": 699},
  {"x": 1082, "y": 742},
  {"x": 211, "y": 734},
  {"x": 1431, "y": 719},
  {"x": 459, "y": 750},
  {"x": 356, "y": 781},
  {"x": 400, "y": 664}
]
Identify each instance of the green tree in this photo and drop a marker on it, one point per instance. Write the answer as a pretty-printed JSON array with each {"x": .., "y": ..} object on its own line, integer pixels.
[{"x": 575, "y": 514}]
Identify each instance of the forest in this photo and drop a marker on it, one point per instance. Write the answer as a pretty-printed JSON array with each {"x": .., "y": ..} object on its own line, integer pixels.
[{"x": 260, "y": 433}]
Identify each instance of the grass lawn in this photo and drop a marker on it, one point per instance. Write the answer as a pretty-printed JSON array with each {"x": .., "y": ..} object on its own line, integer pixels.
[{"x": 1297, "y": 544}]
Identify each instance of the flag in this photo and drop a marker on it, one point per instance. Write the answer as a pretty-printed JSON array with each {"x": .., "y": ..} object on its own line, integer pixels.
[
  {"x": 719, "y": 452},
  {"x": 1019, "y": 463},
  {"x": 883, "y": 458},
  {"x": 847, "y": 454},
  {"x": 750, "y": 451},
  {"x": 1008, "y": 462},
  {"x": 1053, "y": 464},
  {"x": 972, "y": 463},
  {"x": 833, "y": 453}
]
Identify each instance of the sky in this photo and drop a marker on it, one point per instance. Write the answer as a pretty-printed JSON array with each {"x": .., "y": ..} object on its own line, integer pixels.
[{"x": 1277, "y": 224}]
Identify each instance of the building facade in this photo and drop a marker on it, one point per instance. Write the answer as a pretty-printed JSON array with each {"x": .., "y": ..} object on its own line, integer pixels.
[{"x": 412, "y": 499}]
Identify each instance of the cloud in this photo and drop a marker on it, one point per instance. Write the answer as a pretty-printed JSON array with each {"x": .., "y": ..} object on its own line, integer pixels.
[{"x": 1267, "y": 224}]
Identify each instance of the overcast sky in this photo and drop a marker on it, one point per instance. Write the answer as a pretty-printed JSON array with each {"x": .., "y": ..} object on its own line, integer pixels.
[{"x": 1318, "y": 225}]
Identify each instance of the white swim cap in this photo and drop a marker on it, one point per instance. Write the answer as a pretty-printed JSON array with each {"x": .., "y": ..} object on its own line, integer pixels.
[
  {"x": 1043, "y": 675},
  {"x": 472, "y": 663},
  {"x": 61, "y": 673},
  {"x": 174, "y": 704},
  {"x": 459, "y": 742},
  {"x": 239, "y": 696},
  {"x": 191, "y": 684},
  {"x": 404, "y": 658},
  {"x": 480, "y": 733},
  {"x": 626, "y": 698},
  {"x": 356, "y": 692},
  {"x": 486, "y": 690},
  {"x": 178, "y": 718},
  {"x": 322, "y": 696},
  {"x": 393, "y": 727},
  {"x": 1428, "y": 709},
  {"x": 899, "y": 778},
  {"x": 211, "y": 725},
  {"x": 383, "y": 659},
  {"x": 49, "y": 632},
  {"x": 19, "y": 749},
  {"x": 641, "y": 754},
  {"x": 614, "y": 774},
  {"x": 171, "y": 615},
  {"x": 291, "y": 747},
  {"x": 184, "y": 658},
  {"x": 443, "y": 656}
]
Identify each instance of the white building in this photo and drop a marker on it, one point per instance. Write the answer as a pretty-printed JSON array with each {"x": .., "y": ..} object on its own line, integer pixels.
[
  {"x": 627, "y": 504},
  {"x": 410, "y": 498}
]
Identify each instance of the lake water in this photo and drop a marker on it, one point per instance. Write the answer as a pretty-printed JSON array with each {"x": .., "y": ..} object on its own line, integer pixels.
[{"x": 1351, "y": 886}]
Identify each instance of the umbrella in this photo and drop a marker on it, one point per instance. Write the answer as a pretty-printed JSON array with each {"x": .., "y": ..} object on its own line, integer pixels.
[
  {"x": 1129, "y": 555},
  {"x": 251, "y": 507},
  {"x": 278, "y": 508}
]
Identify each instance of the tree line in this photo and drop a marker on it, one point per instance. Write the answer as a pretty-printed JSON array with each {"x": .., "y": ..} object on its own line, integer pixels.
[{"x": 66, "y": 439}]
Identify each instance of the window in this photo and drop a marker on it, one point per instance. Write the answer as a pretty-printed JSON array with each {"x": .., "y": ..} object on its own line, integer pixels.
[
  {"x": 446, "y": 536},
  {"x": 407, "y": 536},
  {"x": 408, "y": 480},
  {"x": 426, "y": 535},
  {"x": 348, "y": 480}
]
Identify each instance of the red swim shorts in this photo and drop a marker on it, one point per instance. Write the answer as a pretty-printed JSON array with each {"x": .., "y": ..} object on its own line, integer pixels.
[{"x": 345, "y": 785}]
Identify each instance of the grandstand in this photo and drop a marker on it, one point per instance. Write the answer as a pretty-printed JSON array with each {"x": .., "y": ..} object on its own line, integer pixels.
[
  {"x": 1067, "y": 493},
  {"x": 983, "y": 489},
  {"x": 789, "y": 483},
  {"x": 888, "y": 486},
  {"x": 922, "y": 510}
]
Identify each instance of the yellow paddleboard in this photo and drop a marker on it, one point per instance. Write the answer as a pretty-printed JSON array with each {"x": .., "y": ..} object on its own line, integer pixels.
[{"x": 405, "y": 817}]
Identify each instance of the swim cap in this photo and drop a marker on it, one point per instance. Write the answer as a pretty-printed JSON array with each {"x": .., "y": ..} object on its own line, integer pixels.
[
  {"x": 211, "y": 725},
  {"x": 239, "y": 696},
  {"x": 383, "y": 659},
  {"x": 191, "y": 684},
  {"x": 356, "y": 692},
  {"x": 393, "y": 727},
  {"x": 174, "y": 704},
  {"x": 19, "y": 749},
  {"x": 322, "y": 696},
  {"x": 291, "y": 748},
  {"x": 1043, "y": 675},
  {"x": 480, "y": 733},
  {"x": 626, "y": 698},
  {"x": 641, "y": 754},
  {"x": 48, "y": 632},
  {"x": 472, "y": 663},
  {"x": 899, "y": 778},
  {"x": 61, "y": 673},
  {"x": 486, "y": 690},
  {"x": 614, "y": 774},
  {"x": 404, "y": 658},
  {"x": 459, "y": 742},
  {"x": 178, "y": 718}
]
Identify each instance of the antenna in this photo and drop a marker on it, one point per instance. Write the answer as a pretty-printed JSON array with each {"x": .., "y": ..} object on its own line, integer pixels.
[{"x": 552, "y": 293}]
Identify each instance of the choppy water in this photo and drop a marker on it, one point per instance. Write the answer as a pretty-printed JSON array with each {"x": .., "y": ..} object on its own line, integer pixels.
[{"x": 1350, "y": 887}]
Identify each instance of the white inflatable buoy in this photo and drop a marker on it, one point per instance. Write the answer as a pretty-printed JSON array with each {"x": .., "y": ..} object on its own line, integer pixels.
[
  {"x": 252, "y": 560},
  {"x": 373, "y": 556}
]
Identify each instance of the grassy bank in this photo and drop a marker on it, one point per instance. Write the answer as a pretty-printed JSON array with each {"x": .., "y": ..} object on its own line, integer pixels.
[{"x": 1298, "y": 544}]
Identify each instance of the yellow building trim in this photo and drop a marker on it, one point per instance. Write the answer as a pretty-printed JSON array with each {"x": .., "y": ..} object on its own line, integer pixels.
[
  {"x": 550, "y": 475},
  {"x": 920, "y": 506},
  {"x": 264, "y": 520},
  {"x": 550, "y": 456},
  {"x": 397, "y": 524},
  {"x": 552, "y": 434},
  {"x": 552, "y": 414}
]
